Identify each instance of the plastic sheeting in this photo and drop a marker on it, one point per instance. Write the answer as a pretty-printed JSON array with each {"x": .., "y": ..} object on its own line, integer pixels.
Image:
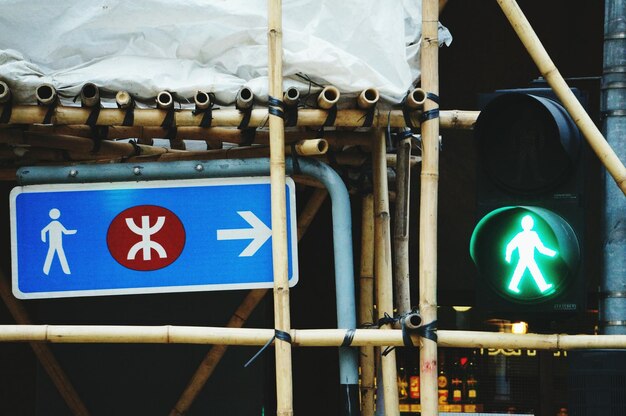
[{"x": 147, "y": 46}]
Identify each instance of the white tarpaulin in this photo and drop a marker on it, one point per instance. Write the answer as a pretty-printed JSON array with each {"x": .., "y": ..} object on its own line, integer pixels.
[{"x": 147, "y": 46}]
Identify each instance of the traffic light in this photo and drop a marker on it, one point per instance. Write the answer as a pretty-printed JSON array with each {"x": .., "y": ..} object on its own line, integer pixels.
[{"x": 527, "y": 244}]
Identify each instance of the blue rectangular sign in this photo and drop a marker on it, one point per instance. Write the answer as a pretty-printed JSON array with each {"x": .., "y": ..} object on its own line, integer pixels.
[{"x": 145, "y": 237}]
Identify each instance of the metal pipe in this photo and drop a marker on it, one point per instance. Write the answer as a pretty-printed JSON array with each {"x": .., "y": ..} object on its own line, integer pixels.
[
  {"x": 341, "y": 215},
  {"x": 613, "y": 285}
]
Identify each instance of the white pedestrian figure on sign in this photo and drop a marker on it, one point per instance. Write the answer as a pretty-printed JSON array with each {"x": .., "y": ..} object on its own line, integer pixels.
[
  {"x": 526, "y": 241},
  {"x": 53, "y": 235}
]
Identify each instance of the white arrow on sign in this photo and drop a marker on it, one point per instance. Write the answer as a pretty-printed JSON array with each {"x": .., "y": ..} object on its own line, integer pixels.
[{"x": 259, "y": 233}]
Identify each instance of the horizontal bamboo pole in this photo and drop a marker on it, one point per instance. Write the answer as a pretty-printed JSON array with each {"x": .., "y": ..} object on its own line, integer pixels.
[
  {"x": 301, "y": 337},
  {"x": 31, "y": 114}
]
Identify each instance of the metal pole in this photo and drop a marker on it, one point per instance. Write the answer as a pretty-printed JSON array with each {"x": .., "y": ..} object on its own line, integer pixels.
[{"x": 613, "y": 292}]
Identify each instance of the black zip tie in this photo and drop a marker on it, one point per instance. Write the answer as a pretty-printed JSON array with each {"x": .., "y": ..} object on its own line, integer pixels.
[
  {"x": 347, "y": 339},
  {"x": 275, "y": 107},
  {"x": 246, "y": 114},
  {"x": 170, "y": 133},
  {"x": 92, "y": 120},
  {"x": 296, "y": 161},
  {"x": 7, "y": 109},
  {"x": 98, "y": 133},
  {"x": 428, "y": 331},
  {"x": 369, "y": 117},
  {"x": 247, "y": 137},
  {"x": 129, "y": 116},
  {"x": 431, "y": 114},
  {"x": 169, "y": 120},
  {"x": 136, "y": 148},
  {"x": 332, "y": 115},
  {"x": 278, "y": 334}
]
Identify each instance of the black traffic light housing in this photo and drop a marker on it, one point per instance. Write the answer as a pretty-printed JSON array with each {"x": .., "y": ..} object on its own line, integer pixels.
[{"x": 529, "y": 164}]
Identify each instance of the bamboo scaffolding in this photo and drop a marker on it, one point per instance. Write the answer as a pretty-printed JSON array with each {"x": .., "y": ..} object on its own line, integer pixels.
[
  {"x": 144, "y": 117},
  {"x": 549, "y": 71},
  {"x": 428, "y": 207},
  {"x": 366, "y": 304},
  {"x": 44, "y": 355},
  {"x": 282, "y": 320},
  {"x": 382, "y": 266},
  {"x": 65, "y": 334},
  {"x": 401, "y": 275},
  {"x": 240, "y": 316}
]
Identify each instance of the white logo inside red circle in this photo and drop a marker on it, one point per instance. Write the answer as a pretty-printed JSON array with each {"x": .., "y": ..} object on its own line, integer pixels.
[{"x": 146, "y": 237}]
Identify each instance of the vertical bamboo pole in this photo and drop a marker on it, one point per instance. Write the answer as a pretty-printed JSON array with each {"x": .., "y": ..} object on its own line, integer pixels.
[
  {"x": 382, "y": 266},
  {"x": 428, "y": 206},
  {"x": 239, "y": 318},
  {"x": 366, "y": 303},
  {"x": 44, "y": 355},
  {"x": 401, "y": 274},
  {"x": 538, "y": 53},
  {"x": 282, "y": 319}
]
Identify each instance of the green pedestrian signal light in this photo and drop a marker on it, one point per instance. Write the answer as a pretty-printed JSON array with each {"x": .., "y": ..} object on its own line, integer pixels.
[{"x": 525, "y": 254}]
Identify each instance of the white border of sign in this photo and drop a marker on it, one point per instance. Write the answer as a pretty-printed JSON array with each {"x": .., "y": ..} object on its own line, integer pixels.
[{"x": 148, "y": 185}]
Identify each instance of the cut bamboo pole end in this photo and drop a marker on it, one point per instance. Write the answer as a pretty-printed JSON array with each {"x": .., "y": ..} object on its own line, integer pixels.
[
  {"x": 5, "y": 92},
  {"x": 291, "y": 97},
  {"x": 90, "y": 95},
  {"x": 202, "y": 100},
  {"x": 124, "y": 100},
  {"x": 368, "y": 98},
  {"x": 164, "y": 100},
  {"x": 245, "y": 98},
  {"x": 328, "y": 97},
  {"x": 46, "y": 94},
  {"x": 312, "y": 147},
  {"x": 416, "y": 99},
  {"x": 546, "y": 66}
]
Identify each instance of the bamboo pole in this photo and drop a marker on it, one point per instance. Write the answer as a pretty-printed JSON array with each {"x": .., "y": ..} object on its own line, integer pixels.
[
  {"x": 382, "y": 266},
  {"x": 80, "y": 145},
  {"x": 144, "y": 117},
  {"x": 43, "y": 354},
  {"x": 428, "y": 207},
  {"x": 546, "y": 66},
  {"x": 239, "y": 318},
  {"x": 366, "y": 304},
  {"x": 402, "y": 288},
  {"x": 65, "y": 334},
  {"x": 282, "y": 320}
]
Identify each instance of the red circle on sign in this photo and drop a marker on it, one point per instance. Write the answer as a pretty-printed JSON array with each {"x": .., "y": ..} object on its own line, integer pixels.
[{"x": 146, "y": 237}]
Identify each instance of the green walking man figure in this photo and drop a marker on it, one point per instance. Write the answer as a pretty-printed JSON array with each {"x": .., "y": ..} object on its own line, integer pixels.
[{"x": 526, "y": 241}]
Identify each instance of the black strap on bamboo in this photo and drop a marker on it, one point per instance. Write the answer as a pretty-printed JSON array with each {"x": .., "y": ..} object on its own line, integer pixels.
[
  {"x": 169, "y": 120},
  {"x": 428, "y": 331},
  {"x": 98, "y": 134},
  {"x": 246, "y": 114},
  {"x": 276, "y": 107},
  {"x": 171, "y": 133},
  {"x": 434, "y": 113},
  {"x": 47, "y": 119},
  {"x": 348, "y": 337},
  {"x": 7, "y": 109},
  {"x": 291, "y": 115},
  {"x": 278, "y": 334},
  {"x": 207, "y": 113},
  {"x": 136, "y": 148},
  {"x": 129, "y": 117},
  {"x": 92, "y": 120},
  {"x": 368, "y": 120},
  {"x": 295, "y": 160},
  {"x": 247, "y": 137},
  {"x": 331, "y": 116}
]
